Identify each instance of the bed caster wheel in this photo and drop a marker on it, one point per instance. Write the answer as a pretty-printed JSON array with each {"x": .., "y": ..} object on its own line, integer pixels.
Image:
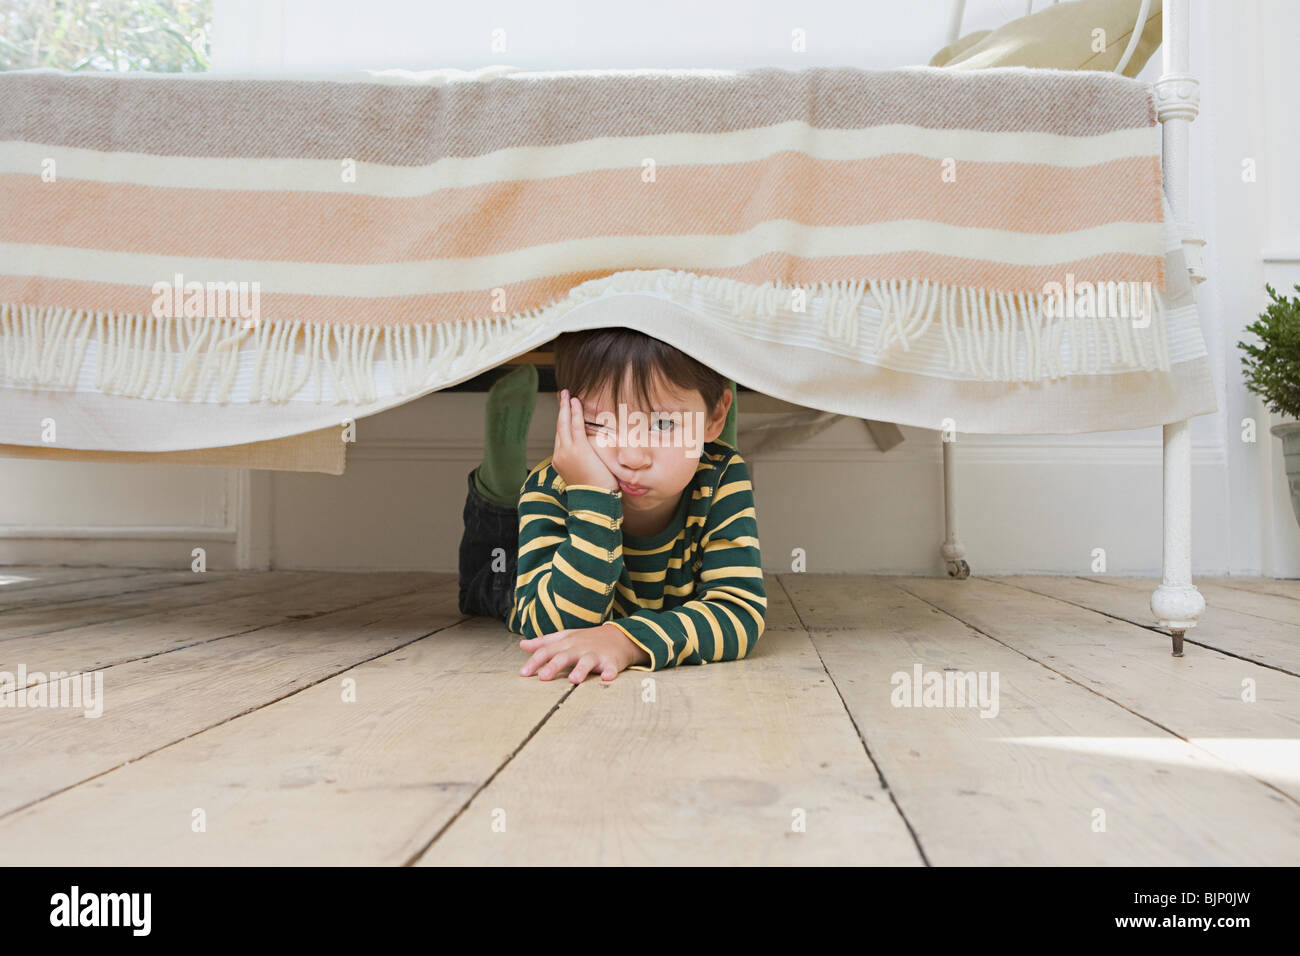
[{"x": 959, "y": 570}]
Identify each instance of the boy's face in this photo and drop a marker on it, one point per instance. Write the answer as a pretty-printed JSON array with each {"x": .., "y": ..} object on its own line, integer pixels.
[{"x": 656, "y": 448}]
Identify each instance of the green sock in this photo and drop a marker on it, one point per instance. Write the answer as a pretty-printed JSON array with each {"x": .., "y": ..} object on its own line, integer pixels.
[
  {"x": 729, "y": 427},
  {"x": 510, "y": 404}
]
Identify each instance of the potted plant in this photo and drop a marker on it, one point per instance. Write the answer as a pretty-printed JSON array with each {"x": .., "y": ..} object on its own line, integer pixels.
[{"x": 1273, "y": 372}]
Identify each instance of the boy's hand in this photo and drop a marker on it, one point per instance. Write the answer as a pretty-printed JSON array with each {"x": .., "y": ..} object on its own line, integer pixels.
[
  {"x": 574, "y": 458},
  {"x": 584, "y": 649}
]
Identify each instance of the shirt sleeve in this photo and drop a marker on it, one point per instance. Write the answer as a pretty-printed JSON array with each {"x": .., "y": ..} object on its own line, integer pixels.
[
  {"x": 570, "y": 557},
  {"x": 727, "y": 617}
]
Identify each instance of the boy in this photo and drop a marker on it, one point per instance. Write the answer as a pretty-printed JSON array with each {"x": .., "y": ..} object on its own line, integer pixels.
[{"x": 635, "y": 545}]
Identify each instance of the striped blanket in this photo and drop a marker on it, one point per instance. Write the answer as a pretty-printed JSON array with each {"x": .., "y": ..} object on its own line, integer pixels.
[{"x": 327, "y": 225}]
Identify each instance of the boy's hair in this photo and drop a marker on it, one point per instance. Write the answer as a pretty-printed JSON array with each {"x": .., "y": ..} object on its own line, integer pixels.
[{"x": 589, "y": 361}]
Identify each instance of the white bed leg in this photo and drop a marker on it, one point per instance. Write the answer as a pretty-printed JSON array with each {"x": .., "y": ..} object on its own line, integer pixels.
[
  {"x": 1176, "y": 603},
  {"x": 953, "y": 552}
]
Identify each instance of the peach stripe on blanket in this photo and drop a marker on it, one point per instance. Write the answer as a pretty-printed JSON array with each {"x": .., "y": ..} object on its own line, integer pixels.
[{"x": 430, "y": 218}]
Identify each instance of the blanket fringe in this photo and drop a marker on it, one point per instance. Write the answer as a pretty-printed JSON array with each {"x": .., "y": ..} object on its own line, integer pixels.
[
  {"x": 44, "y": 347},
  {"x": 989, "y": 336}
]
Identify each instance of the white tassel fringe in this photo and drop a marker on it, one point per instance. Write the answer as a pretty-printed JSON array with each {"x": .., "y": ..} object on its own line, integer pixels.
[{"x": 988, "y": 336}]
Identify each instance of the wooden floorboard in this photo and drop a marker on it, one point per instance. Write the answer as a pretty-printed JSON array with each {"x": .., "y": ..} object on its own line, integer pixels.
[
  {"x": 146, "y": 594},
  {"x": 1198, "y": 697},
  {"x": 1269, "y": 607},
  {"x": 19, "y": 579},
  {"x": 1024, "y": 787},
  {"x": 227, "y": 696},
  {"x": 1282, "y": 587},
  {"x": 53, "y": 597},
  {"x": 726, "y": 765},
  {"x": 312, "y": 778},
  {"x": 1271, "y": 643},
  {"x": 266, "y": 603},
  {"x": 157, "y": 701}
]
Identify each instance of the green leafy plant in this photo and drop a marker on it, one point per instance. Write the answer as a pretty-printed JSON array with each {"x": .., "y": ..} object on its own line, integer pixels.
[
  {"x": 1273, "y": 369},
  {"x": 160, "y": 36}
]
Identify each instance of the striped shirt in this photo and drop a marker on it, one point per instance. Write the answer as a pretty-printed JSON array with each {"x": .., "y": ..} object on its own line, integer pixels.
[{"x": 691, "y": 594}]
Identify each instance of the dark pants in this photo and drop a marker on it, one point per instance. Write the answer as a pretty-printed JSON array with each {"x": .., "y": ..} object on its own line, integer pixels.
[{"x": 488, "y": 526}]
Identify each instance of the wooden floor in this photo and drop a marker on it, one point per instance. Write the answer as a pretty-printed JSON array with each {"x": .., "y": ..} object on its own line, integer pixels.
[{"x": 228, "y": 735}]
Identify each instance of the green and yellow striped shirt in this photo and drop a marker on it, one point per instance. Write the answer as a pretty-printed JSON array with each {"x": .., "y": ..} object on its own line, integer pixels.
[{"x": 691, "y": 594}]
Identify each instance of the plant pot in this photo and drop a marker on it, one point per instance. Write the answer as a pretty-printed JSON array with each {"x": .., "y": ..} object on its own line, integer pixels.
[{"x": 1289, "y": 432}]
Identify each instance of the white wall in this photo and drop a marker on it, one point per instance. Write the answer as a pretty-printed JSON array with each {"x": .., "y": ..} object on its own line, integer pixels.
[
  {"x": 1031, "y": 504},
  {"x": 1254, "y": 233}
]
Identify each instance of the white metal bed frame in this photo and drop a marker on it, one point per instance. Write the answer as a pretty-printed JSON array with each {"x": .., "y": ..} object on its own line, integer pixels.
[{"x": 1177, "y": 604}]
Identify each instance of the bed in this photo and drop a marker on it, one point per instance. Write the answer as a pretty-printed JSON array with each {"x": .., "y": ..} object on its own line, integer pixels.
[{"x": 288, "y": 256}]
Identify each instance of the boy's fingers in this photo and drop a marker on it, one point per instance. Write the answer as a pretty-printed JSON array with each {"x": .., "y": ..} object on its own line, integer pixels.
[
  {"x": 561, "y": 420},
  {"x": 557, "y": 663},
  {"x": 582, "y": 668},
  {"x": 538, "y": 658},
  {"x": 541, "y": 655},
  {"x": 577, "y": 427},
  {"x": 545, "y": 647}
]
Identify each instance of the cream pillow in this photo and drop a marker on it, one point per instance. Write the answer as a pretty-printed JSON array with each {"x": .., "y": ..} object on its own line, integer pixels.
[
  {"x": 952, "y": 49},
  {"x": 1060, "y": 38}
]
